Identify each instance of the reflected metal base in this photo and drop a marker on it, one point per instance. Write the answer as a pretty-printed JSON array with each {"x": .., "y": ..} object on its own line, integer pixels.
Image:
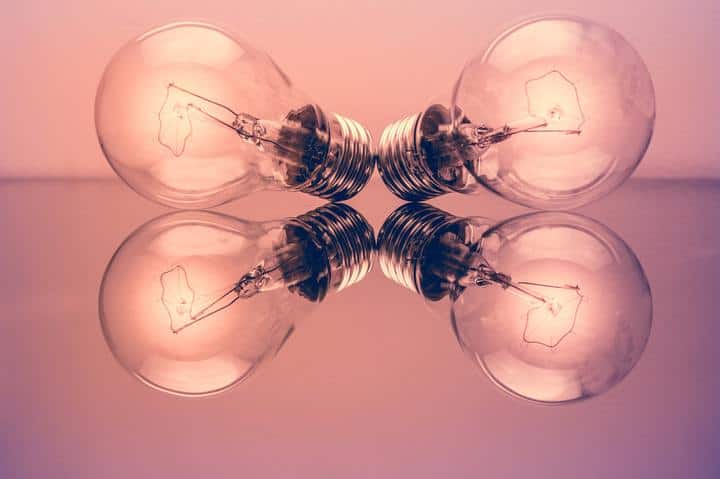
[
  {"x": 402, "y": 241},
  {"x": 346, "y": 237}
]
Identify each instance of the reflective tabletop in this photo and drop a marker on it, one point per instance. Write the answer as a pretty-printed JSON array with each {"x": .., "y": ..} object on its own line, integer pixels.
[{"x": 373, "y": 384}]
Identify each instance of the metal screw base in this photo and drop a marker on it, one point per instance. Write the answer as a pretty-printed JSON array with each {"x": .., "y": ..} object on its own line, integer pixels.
[
  {"x": 401, "y": 164},
  {"x": 347, "y": 239},
  {"x": 349, "y": 162}
]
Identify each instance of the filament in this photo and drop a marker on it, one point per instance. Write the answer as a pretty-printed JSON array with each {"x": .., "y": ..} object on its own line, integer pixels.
[
  {"x": 548, "y": 310},
  {"x": 196, "y": 95},
  {"x": 559, "y": 86},
  {"x": 550, "y": 313},
  {"x": 580, "y": 112},
  {"x": 178, "y": 297},
  {"x": 175, "y": 118}
]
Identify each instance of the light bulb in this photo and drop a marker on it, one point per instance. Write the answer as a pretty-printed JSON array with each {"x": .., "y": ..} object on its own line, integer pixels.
[
  {"x": 554, "y": 307},
  {"x": 192, "y": 117},
  {"x": 557, "y": 112},
  {"x": 193, "y": 302}
]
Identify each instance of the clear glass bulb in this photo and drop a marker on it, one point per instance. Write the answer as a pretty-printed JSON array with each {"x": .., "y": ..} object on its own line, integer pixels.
[
  {"x": 554, "y": 307},
  {"x": 193, "y": 302},
  {"x": 557, "y": 112},
  {"x": 192, "y": 117}
]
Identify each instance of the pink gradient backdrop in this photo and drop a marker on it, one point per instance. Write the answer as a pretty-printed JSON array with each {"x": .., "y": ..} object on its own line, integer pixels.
[
  {"x": 374, "y": 61},
  {"x": 372, "y": 386}
]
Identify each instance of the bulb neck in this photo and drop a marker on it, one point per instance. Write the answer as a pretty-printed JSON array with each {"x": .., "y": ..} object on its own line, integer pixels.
[
  {"x": 348, "y": 163},
  {"x": 402, "y": 163},
  {"x": 347, "y": 243}
]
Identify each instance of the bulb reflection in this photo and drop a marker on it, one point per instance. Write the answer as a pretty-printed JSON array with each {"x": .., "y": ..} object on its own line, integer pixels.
[
  {"x": 193, "y": 302},
  {"x": 554, "y": 307}
]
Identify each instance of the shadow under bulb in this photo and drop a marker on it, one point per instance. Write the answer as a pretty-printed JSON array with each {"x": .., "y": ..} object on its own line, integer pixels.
[
  {"x": 193, "y": 302},
  {"x": 557, "y": 112},
  {"x": 554, "y": 307},
  {"x": 191, "y": 117}
]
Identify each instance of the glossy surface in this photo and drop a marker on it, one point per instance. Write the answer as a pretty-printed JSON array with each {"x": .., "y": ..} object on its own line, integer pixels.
[{"x": 372, "y": 385}]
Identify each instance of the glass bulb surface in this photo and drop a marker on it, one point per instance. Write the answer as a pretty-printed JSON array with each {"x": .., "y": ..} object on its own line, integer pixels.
[
  {"x": 562, "y": 310},
  {"x": 192, "y": 117},
  {"x": 555, "y": 113},
  {"x": 159, "y": 304},
  {"x": 193, "y": 302}
]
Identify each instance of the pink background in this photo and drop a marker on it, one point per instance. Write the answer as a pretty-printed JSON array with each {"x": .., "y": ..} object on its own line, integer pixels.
[
  {"x": 374, "y": 61},
  {"x": 371, "y": 386}
]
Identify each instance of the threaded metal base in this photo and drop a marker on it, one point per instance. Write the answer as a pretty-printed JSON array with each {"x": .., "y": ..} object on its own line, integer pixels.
[
  {"x": 346, "y": 237},
  {"x": 403, "y": 239},
  {"x": 349, "y": 162},
  {"x": 400, "y": 161}
]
